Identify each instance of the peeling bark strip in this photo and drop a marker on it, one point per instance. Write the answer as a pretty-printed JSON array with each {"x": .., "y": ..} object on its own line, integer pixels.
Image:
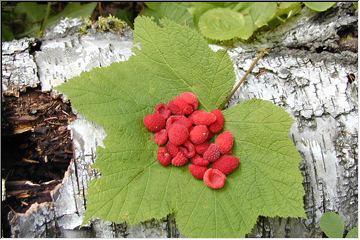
[{"x": 306, "y": 72}]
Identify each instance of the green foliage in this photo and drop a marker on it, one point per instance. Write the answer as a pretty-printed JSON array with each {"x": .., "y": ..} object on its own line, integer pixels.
[
  {"x": 319, "y": 6},
  {"x": 35, "y": 17},
  {"x": 127, "y": 16},
  {"x": 33, "y": 11},
  {"x": 333, "y": 226},
  {"x": 263, "y": 12},
  {"x": 353, "y": 233},
  {"x": 288, "y": 9},
  {"x": 133, "y": 187},
  {"x": 223, "y": 24},
  {"x": 223, "y": 21},
  {"x": 175, "y": 11}
]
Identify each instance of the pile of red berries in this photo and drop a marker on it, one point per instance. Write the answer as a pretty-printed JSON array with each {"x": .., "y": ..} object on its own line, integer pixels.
[{"x": 183, "y": 133}]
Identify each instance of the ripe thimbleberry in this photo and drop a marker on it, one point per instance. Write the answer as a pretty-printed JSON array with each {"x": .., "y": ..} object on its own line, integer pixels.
[
  {"x": 214, "y": 178},
  {"x": 180, "y": 119},
  {"x": 201, "y": 117},
  {"x": 188, "y": 149},
  {"x": 190, "y": 98},
  {"x": 201, "y": 148},
  {"x": 179, "y": 160},
  {"x": 212, "y": 153},
  {"x": 178, "y": 134},
  {"x": 199, "y": 161},
  {"x": 161, "y": 137},
  {"x": 210, "y": 136},
  {"x": 197, "y": 171},
  {"x": 154, "y": 122},
  {"x": 218, "y": 125},
  {"x": 163, "y": 110},
  {"x": 172, "y": 149},
  {"x": 199, "y": 134},
  {"x": 226, "y": 164},
  {"x": 225, "y": 142},
  {"x": 163, "y": 156},
  {"x": 178, "y": 106}
]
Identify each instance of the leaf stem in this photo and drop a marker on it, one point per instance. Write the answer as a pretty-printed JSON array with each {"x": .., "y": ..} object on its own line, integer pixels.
[
  {"x": 261, "y": 54},
  {"x": 47, "y": 14}
]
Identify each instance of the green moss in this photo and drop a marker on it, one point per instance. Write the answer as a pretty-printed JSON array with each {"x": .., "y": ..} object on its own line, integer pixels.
[
  {"x": 86, "y": 25},
  {"x": 103, "y": 24},
  {"x": 110, "y": 24}
]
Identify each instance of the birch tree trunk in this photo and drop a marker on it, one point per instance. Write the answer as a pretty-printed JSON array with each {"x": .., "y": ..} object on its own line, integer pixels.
[{"x": 309, "y": 72}]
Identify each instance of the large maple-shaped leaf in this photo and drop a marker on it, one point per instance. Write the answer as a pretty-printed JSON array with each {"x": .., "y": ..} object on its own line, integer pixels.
[{"x": 133, "y": 187}]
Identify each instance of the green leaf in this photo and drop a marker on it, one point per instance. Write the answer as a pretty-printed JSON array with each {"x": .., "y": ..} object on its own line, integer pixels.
[
  {"x": 73, "y": 10},
  {"x": 199, "y": 8},
  {"x": 332, "y": 225},
  {"x": 243, "y": 7},
  {"x": 319, "y": 6},
  {"x": 34, "y": 11},
  {"x": 7, "y": 34},
  {"x": 225, "y": 24},
  {"x": 133, "y": 187},
  {"x": 353, "y": 233},
  {"x": 125, "y": 15},
  {"x": 288, "y": 8},
  {"x": 268, "y": 183},
  {"x": 263, "y": 12},
  {"x": 175, "y": 11}
]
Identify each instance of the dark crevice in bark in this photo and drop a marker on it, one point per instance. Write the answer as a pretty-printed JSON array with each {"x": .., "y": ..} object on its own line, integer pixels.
[{"x": 35, "y": 46}]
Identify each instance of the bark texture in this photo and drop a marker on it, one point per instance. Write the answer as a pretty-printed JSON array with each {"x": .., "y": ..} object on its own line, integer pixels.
[{"x": 311, "y": 59}]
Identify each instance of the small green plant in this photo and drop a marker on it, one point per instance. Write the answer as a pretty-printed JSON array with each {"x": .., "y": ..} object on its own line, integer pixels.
[{"x": 333, "y": 226}]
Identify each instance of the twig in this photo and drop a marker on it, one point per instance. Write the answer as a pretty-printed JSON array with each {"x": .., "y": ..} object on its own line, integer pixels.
[
  {"x": 100, "y": 9},
  {"x": 261, "y": 54}
]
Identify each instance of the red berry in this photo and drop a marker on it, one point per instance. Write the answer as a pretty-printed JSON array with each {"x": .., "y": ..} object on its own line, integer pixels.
[
  {"x": 214, "y": 178},
  {"x": 172, "y": 149},
  {"x": 163, "y": 156},
  {"x": 178, "y": 134},
  {"x": 225, "y": 142},
  {"x": 212, "y": 153},
  {"x": 199, "y": 161},
  {"x": 188, "y": 149},
  {"x": 161, "y": 137},
  {"x": 218, "y": 125},
  {"x": 200, "y": 117},
  {"x": 154, "y": 122},
  {"x": 190, "y": 98},
  {"x": 178, "y": 106},
  {"x": 179, "y": 159},
  {"x": 197, "y": 171},
  {"x": 226, "y": 164},
  {"x": 210, "y": 136},
  {"x": 199, "y": 134},
  {"x": 163, "y": 110},
  {"x": 180, "y": 119},
  {"x": 201, "y": 148}
]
